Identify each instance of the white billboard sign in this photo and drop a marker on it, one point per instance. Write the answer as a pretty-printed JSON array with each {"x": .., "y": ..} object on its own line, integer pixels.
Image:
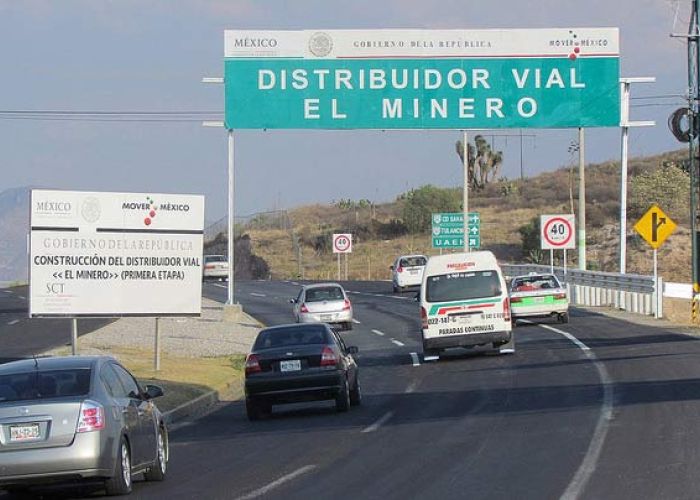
[
  {"x": 557, "y": 232},
  {"x": 342, "y": 243},
  {"x": 115, "y": 254}
]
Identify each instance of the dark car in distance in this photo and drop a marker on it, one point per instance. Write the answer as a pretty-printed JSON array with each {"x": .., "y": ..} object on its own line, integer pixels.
[{"x": 297, "y": 363}]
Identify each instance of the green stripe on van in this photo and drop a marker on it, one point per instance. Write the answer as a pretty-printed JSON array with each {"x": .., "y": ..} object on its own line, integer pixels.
[{"x": 436, "y": 307}]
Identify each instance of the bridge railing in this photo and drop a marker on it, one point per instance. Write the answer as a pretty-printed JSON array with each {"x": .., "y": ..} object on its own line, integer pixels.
[{"x": 630, "y": 292}]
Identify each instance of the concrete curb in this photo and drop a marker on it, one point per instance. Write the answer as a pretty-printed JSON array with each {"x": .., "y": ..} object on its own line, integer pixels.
[{"x": 191, "y": 408}]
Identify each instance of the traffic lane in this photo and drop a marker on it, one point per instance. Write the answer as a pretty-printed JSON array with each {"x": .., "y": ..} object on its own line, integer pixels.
[
  {"x": 253, "y": 454},
  {"x": 652, "y": 441},
  {"x": 476, "y": 425},
  {"x": 266, "y": 301},
  {"x": 23, "y": 337}
]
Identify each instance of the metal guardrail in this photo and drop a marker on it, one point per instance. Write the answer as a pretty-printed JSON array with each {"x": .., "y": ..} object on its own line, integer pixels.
[{"x": 631, "y": 292}]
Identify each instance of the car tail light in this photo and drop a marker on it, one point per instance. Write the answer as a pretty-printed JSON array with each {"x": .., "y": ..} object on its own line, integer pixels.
[
  {"x": 209, "y": 266},
  {"x": 559, "y": 296},
  {"x": 303, "y": 308},
  {"x": 252, "y": 365},
  {"x": 399, "y": 270},
  {"x": 346, "y": 306},
  {"x": 92, "y": 417},
  {"x": 506, "y": 309},
  {"x": 328, "y": 357},
  {"x": 423, "y": 318},
  {"x": 513, "y": 300}
]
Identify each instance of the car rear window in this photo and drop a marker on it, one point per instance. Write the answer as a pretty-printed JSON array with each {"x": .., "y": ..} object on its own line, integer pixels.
[
  {"x": 413, "y": 261},
  {"x": 214, "y": 258},
  {"x": 282, "y": 337},
  {"x": 324, "y": 293},
  {"x": 44, "y": 384},
  {"x": 535, "y": 283},
  {"x": 462, "y": 286}
]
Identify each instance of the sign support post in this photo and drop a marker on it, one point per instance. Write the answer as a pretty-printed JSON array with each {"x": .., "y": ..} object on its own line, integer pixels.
[
  {"x": 338, "y": 267},
  {"x": 656, "y": 285},
  {"x": 156, "y": 348},
  {"x": 551, "y": 260},
  {"x": 346, "y": 267},
  {"x": 74, "y": 336},
  {"x": 465, "y": 191},
  {"x": 231, "y": 222}
]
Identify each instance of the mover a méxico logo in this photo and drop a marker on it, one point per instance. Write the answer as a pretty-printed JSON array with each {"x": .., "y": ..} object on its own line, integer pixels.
[{"x": 151, "y": 208}]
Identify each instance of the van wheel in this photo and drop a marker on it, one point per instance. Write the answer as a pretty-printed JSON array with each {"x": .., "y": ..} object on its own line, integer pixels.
[
  {"x": 348, "y": 325},
  {"x": 428, "y": 353},
  {"x": 564, "y": 318}
]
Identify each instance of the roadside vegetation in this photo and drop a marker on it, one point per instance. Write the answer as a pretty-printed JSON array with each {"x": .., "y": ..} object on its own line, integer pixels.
[{"x": 299, "y": 244}]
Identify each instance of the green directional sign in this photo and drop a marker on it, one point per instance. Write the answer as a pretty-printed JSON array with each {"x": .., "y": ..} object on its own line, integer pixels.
[
  {"x": 422, "y": 79},
  {"x": 448, "y": 230}
]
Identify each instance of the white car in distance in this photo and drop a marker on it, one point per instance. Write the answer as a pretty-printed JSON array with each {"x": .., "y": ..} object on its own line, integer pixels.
[
  {"x": 215, "y": 267},
  {"x": 407, "y": 271}
]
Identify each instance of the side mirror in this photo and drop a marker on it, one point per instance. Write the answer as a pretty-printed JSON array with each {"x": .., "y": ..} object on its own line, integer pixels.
[
  {"x": 353, "y": 349},
  {"x": 292, "y": 301},
  {"x": 417, "y": 298},
  {"x": 153, "y": 391},
  {"x": 391, "y": 268}
]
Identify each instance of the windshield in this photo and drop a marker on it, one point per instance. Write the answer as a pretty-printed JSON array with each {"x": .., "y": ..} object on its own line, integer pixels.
[
  {"x": 324, "y": 293},
  {"x": 462, "y": 286},
  {"x": 283, "y": 337},
  {"x": 44, "y": 384}
]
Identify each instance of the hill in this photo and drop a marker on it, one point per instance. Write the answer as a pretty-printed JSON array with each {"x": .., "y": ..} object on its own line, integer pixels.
[{"x": 301, "y": 245}]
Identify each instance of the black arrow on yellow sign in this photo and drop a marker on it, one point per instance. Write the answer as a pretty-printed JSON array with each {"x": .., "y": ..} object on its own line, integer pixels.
[{"x": 656, "y": 222}]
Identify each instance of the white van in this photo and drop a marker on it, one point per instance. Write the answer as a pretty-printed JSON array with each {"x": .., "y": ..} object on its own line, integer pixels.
[{"x": 464, "y": 303}]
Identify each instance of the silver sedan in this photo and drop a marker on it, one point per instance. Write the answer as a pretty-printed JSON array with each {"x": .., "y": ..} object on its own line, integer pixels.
[
  {"x": 324, "y": 303},
  {"x": 78, "y": 417}
]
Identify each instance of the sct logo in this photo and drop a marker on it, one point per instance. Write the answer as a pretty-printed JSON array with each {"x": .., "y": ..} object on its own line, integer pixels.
[{"x": 55, "y": 288}]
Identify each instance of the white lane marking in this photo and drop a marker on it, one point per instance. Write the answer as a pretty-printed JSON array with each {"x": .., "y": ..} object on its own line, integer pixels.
[
  {"x": 7, "y": 291},
  {"x": 411, "y": 387},
  {"x": 22, "y": 297},
  {"x": 254, "y": 294},
  {"x": 277, "y": 483},
  {"x": 416, "y": 360},
  {"x": 590, "y": 460},
  {"x": 356, "y": 322},
  {"x": 378, "y": 423},
  {"x": 220, "y": 285},
  {"x": 430, "y": 358},
  {"x": 378, "y": 332},
  {"x": 13, "y": 322},
  {"x": 398, "y": 343},
  {"x": 294, "y": 283}
]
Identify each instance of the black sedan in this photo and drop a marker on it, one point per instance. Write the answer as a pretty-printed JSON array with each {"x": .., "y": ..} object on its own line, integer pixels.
[{"x": 300, "y": 362}]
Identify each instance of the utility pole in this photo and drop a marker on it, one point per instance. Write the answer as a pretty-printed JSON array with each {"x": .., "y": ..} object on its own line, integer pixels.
[
  {"x": 581, "y": 201},
  {"x": 693, "y": 100}
]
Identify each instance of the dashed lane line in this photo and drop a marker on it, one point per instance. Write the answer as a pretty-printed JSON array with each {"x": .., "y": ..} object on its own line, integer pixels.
[
  {"x": 398, "y": 342},
  {"x": 356, "y": 322},
  {"x": 381, "y": 334},
  {"x": 13, "y": 322},
  {"x": 255, "y": 294},
  {"x": 415, "y": 359},
  {"x": 277, "y": 483},
  {"x": 376, "y": 425}
]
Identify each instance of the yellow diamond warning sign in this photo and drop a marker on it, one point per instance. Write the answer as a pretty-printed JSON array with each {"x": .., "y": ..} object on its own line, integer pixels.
[{"x": 655, "y": 226}]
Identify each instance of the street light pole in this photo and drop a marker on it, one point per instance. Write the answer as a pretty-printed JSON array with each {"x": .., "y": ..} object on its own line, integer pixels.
[
  {"x": 231, "y": 221},
  {"x": 581, "y": 202}
]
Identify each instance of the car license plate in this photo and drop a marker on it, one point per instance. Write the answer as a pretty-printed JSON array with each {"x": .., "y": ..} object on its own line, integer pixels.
[
  {"x": 414, "y": 272},
  {"x": 326, "y": 317},
  {"x": 465, "y": 319},
  {"x": 24, "y": 432},
  {"x": 290, "y": 365}
]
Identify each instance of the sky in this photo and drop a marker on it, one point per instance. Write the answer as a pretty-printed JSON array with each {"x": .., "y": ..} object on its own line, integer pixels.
[{"x": 135, "y": 55}]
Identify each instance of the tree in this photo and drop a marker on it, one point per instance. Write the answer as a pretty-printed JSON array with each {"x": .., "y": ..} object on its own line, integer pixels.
[
  {"x": 667, "y": 186},
  {"x": 483, "y": 162},
  {"x": 530, "y": 235},
  {"x": 420, "y": 204}
]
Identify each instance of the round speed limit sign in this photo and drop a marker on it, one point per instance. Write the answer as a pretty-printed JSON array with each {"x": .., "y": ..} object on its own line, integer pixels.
[
  {"x": 557, "y": 232},
  {"x": 342, "y": 243}
]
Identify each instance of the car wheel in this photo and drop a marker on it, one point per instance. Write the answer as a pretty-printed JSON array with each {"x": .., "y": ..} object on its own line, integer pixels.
[
  {"x": 348, "y": 325},
  {"x": 396, "y": 289},
  {"x": 157, "y": 472},
  {"x": 564, "y": 318},
  {"x": 342, "y": 400},
  {"x": 356, "y": 393},
  {"x": 120, "y": 482}
]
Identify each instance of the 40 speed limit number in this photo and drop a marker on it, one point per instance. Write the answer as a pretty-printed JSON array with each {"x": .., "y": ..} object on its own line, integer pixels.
[{"x": 557, "y": 232}]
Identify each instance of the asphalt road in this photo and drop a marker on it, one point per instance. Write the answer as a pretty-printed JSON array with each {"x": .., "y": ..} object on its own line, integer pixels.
[
  {"x": 22, "y": 337},
  {"x": 598, "y": 408}
]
